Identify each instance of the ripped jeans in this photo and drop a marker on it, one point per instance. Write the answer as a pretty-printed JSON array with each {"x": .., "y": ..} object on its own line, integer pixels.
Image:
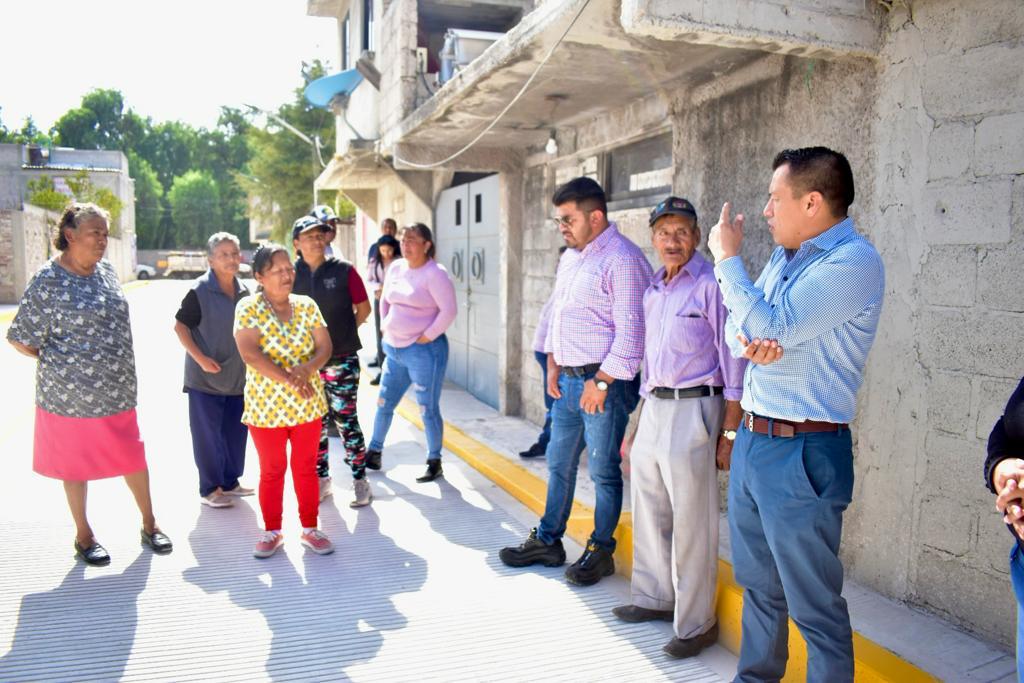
[{"x": 423, "y": 366}]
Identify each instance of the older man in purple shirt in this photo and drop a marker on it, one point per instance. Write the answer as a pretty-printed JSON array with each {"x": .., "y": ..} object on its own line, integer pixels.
[
  {"x": 595, "y": 345},
  {"x": 687, "y": 372}
]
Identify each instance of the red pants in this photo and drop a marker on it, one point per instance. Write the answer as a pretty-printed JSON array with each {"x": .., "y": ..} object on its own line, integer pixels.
[{"x": 271, "y": 445}]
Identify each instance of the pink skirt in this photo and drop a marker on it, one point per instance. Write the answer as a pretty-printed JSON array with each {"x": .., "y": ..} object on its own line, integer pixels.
[{"x": 87, "y": 448}]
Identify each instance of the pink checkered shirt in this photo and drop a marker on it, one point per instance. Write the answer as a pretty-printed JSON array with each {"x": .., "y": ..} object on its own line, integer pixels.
[{"x": 597, "y": 308}]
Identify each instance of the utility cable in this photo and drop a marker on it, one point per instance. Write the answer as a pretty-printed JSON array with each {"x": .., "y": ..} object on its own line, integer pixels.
[{"x": 504, "y": 111}]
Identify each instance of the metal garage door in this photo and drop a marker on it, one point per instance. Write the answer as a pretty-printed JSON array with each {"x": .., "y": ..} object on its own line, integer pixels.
[{"x": 467, "y": 245}]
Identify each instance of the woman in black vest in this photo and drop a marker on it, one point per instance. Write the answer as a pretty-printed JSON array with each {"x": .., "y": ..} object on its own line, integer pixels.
[
  {"x": 215, "y": 373},
  {"x": 338, "y": 290}
]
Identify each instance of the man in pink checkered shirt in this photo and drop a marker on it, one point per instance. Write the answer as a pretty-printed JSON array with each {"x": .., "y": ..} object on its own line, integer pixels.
[{"x": 595, "y": 343}]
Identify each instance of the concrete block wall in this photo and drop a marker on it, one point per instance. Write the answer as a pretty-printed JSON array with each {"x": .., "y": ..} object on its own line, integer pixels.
[
  {"x": 397, "y": 61},
  {"x": 7, "y": 277}
]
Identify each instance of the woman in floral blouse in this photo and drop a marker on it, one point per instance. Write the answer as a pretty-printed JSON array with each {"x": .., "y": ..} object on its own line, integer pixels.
[
  {"x": 73, "y": 318},
  {"x": 283, "y": 340}
]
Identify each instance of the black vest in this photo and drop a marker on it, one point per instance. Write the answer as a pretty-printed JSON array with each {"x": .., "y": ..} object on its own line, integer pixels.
[
  {"x": 328, "y": 287},
  {"x": 215, "y": 337}
]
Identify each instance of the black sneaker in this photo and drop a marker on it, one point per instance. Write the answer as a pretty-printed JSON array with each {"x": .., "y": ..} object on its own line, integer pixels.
[
  {"x": 373, "y": 459},
  {"x": 594, "y": 564},
  {"x": 534, "y": 451},
  {"x": 375, "y": 382},
  {"x": 534, "y": 551},
  {"x": 691, "y": 647}
]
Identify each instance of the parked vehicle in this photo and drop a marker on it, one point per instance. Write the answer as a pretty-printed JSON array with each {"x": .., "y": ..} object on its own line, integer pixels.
[
  {"x": 186, "y": 264},
  {"x": 144, "y": 272}
]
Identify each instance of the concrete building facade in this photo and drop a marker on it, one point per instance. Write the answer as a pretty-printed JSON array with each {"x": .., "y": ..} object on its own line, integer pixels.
[{"x": 925, "y": 97}]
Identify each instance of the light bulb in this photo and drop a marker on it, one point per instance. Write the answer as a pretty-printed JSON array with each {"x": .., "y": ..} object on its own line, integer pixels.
[{"x": 552, "y": 145}]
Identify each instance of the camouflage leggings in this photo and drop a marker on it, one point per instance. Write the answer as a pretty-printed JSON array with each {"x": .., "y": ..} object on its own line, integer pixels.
[{"x": 341, "y": 383}]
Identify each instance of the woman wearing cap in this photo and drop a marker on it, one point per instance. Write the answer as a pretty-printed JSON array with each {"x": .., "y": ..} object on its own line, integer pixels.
[
  {"x": 215, "y": 373},
  {"x": 73, "y": 318},
  {"x": 283, "y": 340},
  {"x": 338, "y": 290},
  {"x": 387, "y": 251},
  {"x": 417, "y": 306}
]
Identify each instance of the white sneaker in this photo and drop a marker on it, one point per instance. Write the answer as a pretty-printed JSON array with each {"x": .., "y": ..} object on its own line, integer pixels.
[
  {"x": 364, "y": 496},
  {"x": 240, "y": 491},
  {"x": 325, "y": 487},
  {"x": 216, "y": 500}
]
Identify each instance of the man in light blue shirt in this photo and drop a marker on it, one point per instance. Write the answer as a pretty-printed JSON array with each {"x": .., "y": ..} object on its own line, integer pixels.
[{"x": 806, "y": 325}]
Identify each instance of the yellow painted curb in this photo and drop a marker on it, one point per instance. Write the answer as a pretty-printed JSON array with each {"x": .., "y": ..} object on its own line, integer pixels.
[{"x": 872, "y": 661}]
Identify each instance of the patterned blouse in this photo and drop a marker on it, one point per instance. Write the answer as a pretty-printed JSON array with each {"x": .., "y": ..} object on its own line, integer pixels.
[
  {"x": 80, "y": 326},
  {"x": 269, "y": 403}
]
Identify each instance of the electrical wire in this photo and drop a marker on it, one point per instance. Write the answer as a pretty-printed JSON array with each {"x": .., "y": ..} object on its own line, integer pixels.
[{"x": 504, "y": 111}]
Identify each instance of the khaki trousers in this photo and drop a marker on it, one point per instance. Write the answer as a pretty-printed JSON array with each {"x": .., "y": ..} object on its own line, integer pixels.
[{"x": 674, "y": 490}]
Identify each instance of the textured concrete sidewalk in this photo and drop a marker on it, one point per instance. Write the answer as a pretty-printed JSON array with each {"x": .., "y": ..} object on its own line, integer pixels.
[{"x": 414, "y": 591}]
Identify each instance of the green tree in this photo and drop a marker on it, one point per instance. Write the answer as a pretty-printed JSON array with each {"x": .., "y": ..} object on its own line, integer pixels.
[
  {"x": 282, "y": 167},
  {"x": 149, "y": 210},
  {"x": 43, "y": 193},
  {"x": 195, "y": 207}
]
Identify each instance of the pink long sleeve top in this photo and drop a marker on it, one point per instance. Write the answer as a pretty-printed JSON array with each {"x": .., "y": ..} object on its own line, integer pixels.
[{"x": 416, "y": 302}]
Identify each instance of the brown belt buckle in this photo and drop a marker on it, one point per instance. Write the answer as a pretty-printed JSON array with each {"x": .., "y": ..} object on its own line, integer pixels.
[{"x": 750, "y": 422}]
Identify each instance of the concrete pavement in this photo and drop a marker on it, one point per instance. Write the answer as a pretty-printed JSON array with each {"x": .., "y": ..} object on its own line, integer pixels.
[{"x": 414, "y": 591}]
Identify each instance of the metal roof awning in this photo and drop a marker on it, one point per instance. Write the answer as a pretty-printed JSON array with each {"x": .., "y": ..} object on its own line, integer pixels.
[{"x": 321, "y": 91}]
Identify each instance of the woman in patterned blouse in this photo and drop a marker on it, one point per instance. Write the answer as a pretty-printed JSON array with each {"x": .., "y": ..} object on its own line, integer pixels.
[
  {"x": 284, "y": 341},
  {"x": 73, "y": 318}
]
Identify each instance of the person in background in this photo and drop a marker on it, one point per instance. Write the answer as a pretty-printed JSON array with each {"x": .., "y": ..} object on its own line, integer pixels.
[
  {"x": 215, "y": 373},
  {"x": 538, "y": 449},
  {"x": 73, "y": 319},
  {"x": 326, "y": 215},
  {"x": 417, "y": 306},
  {"x": 388, "y": 250},
  {"x": 1004, "y": 476},
  {"x": 338, "y": 290},
  {"x": 595, "y": 344},
  {"x": 806, "y": 325},
  {"x": 284, "y": 342},
  {"x": 388, "y": 228},
  {"x": 687, "y": 368}
]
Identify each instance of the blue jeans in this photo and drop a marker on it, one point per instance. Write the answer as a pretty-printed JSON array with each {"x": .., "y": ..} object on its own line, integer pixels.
[
  {"x": 1017, "y": 577},
  {"x": 786, "y": 503},
  {"x": 218, "y": 439},
  {"x": 601, "y": 434},
  {"x": 545, "y": 433},
  {"x": 423, "y": 366}
]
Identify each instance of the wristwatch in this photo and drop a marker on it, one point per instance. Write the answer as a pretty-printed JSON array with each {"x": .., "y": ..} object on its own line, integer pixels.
[
  {"x": 729, "y": 434},
  {"x": 601, "y": 384}
]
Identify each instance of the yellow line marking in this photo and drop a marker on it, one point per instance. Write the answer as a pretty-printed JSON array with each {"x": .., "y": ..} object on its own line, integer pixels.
[{"x": 873, "y": 662}]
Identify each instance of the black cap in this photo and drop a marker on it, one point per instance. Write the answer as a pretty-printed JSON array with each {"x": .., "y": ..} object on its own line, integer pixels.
[
  {"x": 673, "y": 205},
  {"x": 307, "y": 223}
]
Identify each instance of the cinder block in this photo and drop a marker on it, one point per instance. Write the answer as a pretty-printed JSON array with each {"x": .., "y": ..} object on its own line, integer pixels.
[
  {"x": 994, "y": 395},
  {"x": 967, "y": 213},
  {"x": 994, "y": 542},
  {"x": 999, "y": 144},
  {"x": 954, "y": 469},
  {"x": 947, "y": 524},
  {"x": 999, "y": 277},
  {"x": 950, "y": 147},
  {"x": 949, "y": 402},
  {"x": 949, "y": 276},
  {"x": 984, "y": 81},
  {"x": 951, "y": 26}
]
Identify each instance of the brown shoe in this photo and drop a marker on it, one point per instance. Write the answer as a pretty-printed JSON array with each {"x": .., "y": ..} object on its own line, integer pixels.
[
  {"x": 635, "y": 615},
  {"x": 681, "y": 648}
]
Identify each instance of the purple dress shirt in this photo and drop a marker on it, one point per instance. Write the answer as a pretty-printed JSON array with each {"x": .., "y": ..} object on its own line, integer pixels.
[
  {"x": 685, "y": 321},
  {"x": 540, "y": 337},
  {"x": 597, "y": 312}
]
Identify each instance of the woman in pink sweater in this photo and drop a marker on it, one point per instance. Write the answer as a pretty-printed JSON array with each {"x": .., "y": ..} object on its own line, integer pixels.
[{"x": 417, "y": 305}]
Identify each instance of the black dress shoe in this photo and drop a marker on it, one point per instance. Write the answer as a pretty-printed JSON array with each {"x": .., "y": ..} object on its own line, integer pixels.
[
  {"x": 681, "y": 648},
  {"x": 375, "y": 381},
  {"x": 373, "y": 459},
  {"x": 95, "y": 555},
  {"x": 373, "y": 364},
  {"x": 433, "y": 471},
  {"x": 157, "y": 541},
  {"x": 594, "y": 564},
  {"x": 635, "y": 614},
  {"x": 534, "y": 451},
  {"x": 534, "y": 551}
]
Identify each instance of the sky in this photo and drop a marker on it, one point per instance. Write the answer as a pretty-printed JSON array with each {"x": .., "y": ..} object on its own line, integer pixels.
[{"x": 177, "y": 60}]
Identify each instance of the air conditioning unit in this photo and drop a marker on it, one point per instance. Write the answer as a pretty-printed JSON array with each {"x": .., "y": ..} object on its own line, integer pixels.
[{"x": 462, "y": 46}]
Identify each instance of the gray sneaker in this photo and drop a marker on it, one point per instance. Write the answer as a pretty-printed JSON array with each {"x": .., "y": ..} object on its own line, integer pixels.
[{"x": 364, "y": 496}]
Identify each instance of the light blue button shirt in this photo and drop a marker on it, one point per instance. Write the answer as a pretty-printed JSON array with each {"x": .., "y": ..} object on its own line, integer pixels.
[{"x": 822, "y": 305}]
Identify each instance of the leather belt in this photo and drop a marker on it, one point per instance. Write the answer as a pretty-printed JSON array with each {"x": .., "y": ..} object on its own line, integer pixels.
[
  {"x": 689, "y": 392},
  {"x": 581, "y": 371},
  {"x": 785, "y": 428}
]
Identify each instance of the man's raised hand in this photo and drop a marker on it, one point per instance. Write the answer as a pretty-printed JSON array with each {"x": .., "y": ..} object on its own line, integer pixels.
[{"x": 725, "y": 238}]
